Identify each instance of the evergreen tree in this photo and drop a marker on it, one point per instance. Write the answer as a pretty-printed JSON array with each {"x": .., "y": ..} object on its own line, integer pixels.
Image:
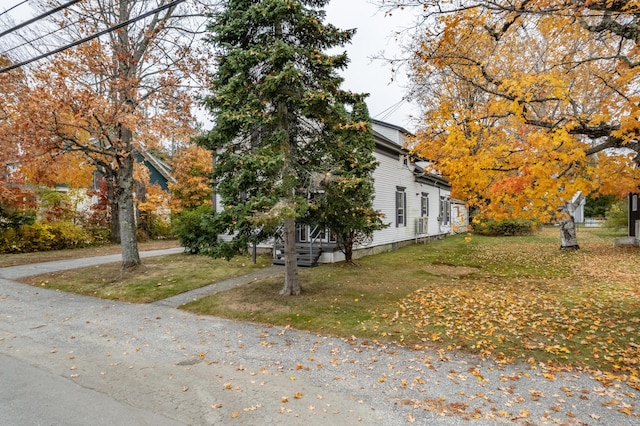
[
  {"x": 347, "y": 208},
  {"x": 598, "y": 206},
  {"x": 276, "y": 99}
]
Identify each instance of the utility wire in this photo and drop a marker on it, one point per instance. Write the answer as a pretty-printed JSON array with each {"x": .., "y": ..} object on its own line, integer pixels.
[
  {"x": 391, "y": 110},
  {"x": 30, "y": 42},
  {"x": 39, "y": 17},
  {"x": 13, "y": 7},
  {"x": 91, "y": 37},
  {"x": 391, "y": 107}
]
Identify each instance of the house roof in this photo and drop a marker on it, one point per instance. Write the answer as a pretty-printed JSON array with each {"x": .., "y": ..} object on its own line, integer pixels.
[
  {"x": 457, "y": 201},
  {"x": 163, "y": 168},
  {"x": 160, "y": 172},
  {"x": 424, "y": 176},
  {"x": 392, "y": 126}
]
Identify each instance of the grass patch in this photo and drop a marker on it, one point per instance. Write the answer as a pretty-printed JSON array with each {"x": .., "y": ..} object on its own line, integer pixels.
[
  {"x": 515, "y": 299},
  {"x": 158, "y": 278}
]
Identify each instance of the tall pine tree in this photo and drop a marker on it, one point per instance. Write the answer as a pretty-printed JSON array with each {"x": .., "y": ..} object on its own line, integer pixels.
[{"x": 277, "y": 103}]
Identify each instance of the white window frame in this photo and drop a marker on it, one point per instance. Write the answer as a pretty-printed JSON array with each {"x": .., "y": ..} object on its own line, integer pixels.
[
  {"x": 424, "y": 205},
  {"x": 401, "y": 207}
]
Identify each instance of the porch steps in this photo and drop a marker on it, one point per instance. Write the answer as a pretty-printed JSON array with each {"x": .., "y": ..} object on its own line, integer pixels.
[{"x": 307, "y": 255}]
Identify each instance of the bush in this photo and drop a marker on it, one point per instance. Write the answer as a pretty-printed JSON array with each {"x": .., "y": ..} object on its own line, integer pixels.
[
  {"x": 41, "y": 236},
  {"x": 7, "y": 240},
  {"x": 598, "y": 206},
  {"x": 35, "y": 237},
  {"x": 158, "y": 228},
  {"x": 11, "y": 218},
  {"x": 194, "y": 229},
  {"x": 98, "y": 234},
  {"x": 618, "y": 215},
  {"x": 67, "y": 235},
  {"x": 504, "y": 228}
]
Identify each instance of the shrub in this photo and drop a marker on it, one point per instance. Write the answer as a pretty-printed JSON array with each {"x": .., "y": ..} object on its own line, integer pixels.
[
  {"x": 98, "y": 234},
  {"x": 7, "y": 240},
  {"x": 41, "y": 236},
  {"x": 618, "y": 215},
  {"x": 194, "y": 229},
  {"x": 11, "y": 218},
  {"x": 67, "y": 235},
  {"x": 28, "y": 238},
  {"x": 158, "y": 228},
  {"x": 505, "y": 228},
  {"x": 598, "y": 206}
]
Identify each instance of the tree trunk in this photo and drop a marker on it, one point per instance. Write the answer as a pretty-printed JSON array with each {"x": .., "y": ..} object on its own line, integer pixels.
[
  {"x": 115, "y": 222},
  {"x": 114, "y": 216},
  {"x": 568, "y": 237},
  {"x": 347, "y": 242},
  {"x": 348, "y": 254},
  {"x": 142, "y": 219},
  {"x": 291, "y": 282},
  {"x": 126, "y": 212}
]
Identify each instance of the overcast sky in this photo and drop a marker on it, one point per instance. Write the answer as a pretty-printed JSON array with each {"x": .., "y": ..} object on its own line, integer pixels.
[{"x": 375, "y": 34}]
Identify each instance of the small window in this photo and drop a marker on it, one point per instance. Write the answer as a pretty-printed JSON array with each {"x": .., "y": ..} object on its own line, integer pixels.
[
  {"x": 303, "y": 233},
  {"x": 424, "y": 204},
  {"x": 401, "y": 207},
  {"x": 445, "y": 210},
  {"x": 634, "y": 203}
]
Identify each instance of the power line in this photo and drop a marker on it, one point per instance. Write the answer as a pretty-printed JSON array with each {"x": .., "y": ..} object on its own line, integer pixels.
[
  {"x": 91, "y": 37},
  {"x": 29, "y": 42},
  {"x": 39, "y": 17},
  {"x": 391, "y": 110},
  {"x": 13, "y": 7}
]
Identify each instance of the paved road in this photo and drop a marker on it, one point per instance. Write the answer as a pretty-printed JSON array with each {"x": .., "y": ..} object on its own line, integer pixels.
[
  {"x": 32, "y": 396},
  {"x": 72, "y": 360}
]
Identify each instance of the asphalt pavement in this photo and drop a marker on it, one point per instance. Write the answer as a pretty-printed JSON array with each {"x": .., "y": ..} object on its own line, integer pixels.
[{"x": 74, "y": 360}]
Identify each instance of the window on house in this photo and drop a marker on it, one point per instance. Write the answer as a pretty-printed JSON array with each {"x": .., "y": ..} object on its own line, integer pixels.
[
  {"x": 401, "y": 206},
  {"x": 445, "y": 210},
  {"x": 303, "y": 232},
  {"x": 634, "y": 203},
  {"x": 424, "y": 204}
]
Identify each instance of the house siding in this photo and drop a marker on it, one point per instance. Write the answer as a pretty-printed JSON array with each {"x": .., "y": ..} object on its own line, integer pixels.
[
  {"x": 390, "y": 174},
  {"x": 393, "y": 135},
  {"x": 396, "y": 134}
]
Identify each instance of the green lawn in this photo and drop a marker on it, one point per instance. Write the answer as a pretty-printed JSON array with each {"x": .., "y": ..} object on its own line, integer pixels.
[
  {"x": 158, "y": 278},
  {"x": 516, "y": 299}
]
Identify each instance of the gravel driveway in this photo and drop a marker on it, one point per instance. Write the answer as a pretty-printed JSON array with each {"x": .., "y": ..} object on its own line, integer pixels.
[{"x": 154, "y": 364}]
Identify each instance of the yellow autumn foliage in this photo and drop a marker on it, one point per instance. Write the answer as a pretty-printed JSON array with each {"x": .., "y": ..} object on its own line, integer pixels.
[{"x": 525, "y": 106}]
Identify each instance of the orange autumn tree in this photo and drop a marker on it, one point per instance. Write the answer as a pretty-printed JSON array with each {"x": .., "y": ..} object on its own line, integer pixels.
[
  {"x": 528, "y": 102},
  {"x": 10, "y": 83},
  {"x": 9, "y": 93},
  {"x": 51, "y": 168},
  {"x": 124, "y": 91},
  {"x": 192, "y": 166},
  {"x": 17, "y": 202}
]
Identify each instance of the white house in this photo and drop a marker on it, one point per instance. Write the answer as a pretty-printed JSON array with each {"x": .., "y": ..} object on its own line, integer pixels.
[{"x": 415, "y": 202}]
